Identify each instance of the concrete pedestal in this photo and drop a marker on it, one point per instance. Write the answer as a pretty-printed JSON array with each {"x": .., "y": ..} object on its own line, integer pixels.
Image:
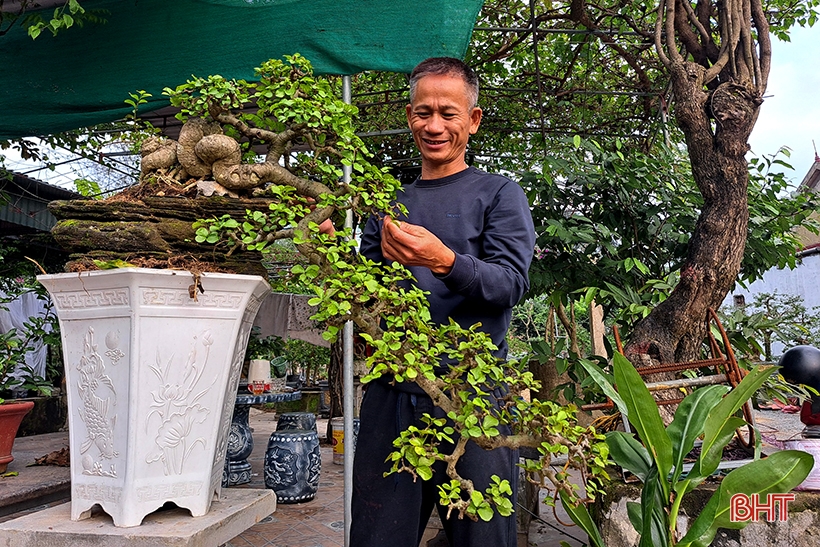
[{"x": 237, "y": 510}]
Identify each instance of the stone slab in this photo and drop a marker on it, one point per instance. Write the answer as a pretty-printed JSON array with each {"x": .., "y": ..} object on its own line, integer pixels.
[
  {"x": 236, "y": 511},
  {"x": 34, "y": 484}
]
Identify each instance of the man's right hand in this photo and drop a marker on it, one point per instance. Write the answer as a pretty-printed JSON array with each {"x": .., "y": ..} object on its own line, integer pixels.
[{"x": 413, "y": 245}]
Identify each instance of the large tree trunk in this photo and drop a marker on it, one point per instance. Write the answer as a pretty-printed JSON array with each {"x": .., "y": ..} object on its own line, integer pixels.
[
  {"x": 717, "y": 97},
  {"x": 674, "y": 330}
]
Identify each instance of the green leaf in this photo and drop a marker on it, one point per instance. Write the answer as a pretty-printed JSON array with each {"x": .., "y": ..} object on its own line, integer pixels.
[
  {"x": 720, "y": 422},
  {"x": 689, "y": 421},
  {"x": 486, "y": 513},
  {"x": 778, "y": 473},
  {"x": 580, "y": 516},
  {"x": 643, "y": 414},
  {"x": 630, "y": 454},
  {"x": 476, "y": 497},
  {"x": 605, "y": 386},
  {"x": 653, "y": 511},
  {"x": 489, "y": 421},
  {"x": 633, "y": 511},
  {"x": 426, "y": 473}
]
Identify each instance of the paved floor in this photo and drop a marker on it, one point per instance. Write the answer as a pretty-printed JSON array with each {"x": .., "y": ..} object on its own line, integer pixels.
[{"x": 318, "y": 523}]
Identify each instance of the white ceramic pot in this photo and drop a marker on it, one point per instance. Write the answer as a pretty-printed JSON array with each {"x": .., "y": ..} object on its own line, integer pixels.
[
  {"x": 259, "y": 371},
  {"x": 153, "y": 359}
]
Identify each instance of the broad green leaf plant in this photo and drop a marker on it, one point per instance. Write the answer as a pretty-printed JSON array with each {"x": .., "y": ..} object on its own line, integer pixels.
[
  {"x": 656, "y": 456},
  {"x": 310, "y": 136}
]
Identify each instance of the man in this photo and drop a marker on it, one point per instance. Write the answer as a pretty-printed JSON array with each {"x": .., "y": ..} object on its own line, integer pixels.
[{"x": 468, "y": 240}]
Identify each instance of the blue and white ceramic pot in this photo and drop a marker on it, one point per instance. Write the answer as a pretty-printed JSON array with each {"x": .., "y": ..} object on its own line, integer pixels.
[
  {"x": 296, "y": 420},
  {"x": 293, "y": 464}
]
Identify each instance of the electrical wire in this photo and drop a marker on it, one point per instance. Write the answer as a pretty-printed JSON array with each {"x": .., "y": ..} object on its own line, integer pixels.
[{"x": 551, "y": 525}]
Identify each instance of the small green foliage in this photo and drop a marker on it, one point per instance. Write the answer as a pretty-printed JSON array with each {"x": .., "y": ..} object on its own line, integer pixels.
[
  {"x": 263, "y": 348},
  {"x": 112, "y": 264},
  {"x": 17, "y": 342},
  {"x": 137, "y": 99},
  {"x": 478, "y": 392},
  {"x": 62, "y": 18}
]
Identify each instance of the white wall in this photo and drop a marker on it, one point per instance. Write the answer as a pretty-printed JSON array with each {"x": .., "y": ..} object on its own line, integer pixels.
[{"x": 803, "y": 281}]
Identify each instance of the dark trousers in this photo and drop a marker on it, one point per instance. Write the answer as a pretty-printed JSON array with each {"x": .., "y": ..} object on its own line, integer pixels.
[{"x": 393, "y": 511}]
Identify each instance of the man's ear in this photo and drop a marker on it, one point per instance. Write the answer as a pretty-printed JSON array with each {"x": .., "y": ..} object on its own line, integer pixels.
[
  {"x": 408, "y": 109},
  {"x": 475, "y": 119}
]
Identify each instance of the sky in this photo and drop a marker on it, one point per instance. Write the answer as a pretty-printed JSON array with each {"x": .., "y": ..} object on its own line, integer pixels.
[{"x": 790, "y": 114}]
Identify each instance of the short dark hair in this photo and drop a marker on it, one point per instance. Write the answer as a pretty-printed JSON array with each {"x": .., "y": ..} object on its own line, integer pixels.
[{"x": 449, "y": 66}]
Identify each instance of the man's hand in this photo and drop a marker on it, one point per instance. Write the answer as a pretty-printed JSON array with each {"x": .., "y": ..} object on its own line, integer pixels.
[
  {"x": 413, "y": 245},
  {"x": 327, "y": 227}
]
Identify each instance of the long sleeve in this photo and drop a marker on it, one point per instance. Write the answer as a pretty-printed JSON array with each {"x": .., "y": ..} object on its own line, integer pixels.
[{"x": 485, "y": 219}]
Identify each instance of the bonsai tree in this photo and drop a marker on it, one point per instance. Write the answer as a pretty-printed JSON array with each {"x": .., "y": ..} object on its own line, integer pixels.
[{"x": 307, "y": 136}]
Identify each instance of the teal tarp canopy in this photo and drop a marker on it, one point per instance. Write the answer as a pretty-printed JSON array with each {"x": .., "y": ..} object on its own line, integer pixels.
[{"x": 82, "y": 76}]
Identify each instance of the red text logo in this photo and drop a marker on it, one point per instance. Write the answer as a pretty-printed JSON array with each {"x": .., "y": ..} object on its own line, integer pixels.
[{"x": 743, "y": 507}]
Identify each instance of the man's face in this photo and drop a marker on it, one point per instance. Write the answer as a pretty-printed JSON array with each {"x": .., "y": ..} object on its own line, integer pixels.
[{"x": 442, "y": 120}]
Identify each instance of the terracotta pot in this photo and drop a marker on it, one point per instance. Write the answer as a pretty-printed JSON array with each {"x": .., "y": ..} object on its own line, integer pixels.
[{"x": 11, "y": 414}]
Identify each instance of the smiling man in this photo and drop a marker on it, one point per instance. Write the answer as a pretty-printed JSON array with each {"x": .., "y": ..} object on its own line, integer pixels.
[{"x": 468, "y": 239}]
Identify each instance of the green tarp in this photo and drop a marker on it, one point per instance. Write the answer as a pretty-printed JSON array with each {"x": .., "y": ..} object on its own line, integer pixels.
[{"x": 82, "y": 76}]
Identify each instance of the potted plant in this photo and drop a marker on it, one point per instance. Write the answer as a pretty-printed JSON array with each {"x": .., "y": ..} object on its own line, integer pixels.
[
  {"x": 152, "y": 368},
  {"x": 11, "y": 412},
  {"x": 17, "y": 378},
  {"x": 655, "y": 454},
  {"x": 264, "y": 358}
]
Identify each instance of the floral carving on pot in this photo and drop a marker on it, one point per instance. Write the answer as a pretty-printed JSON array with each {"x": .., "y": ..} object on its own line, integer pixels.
[
  {"x": 112, "y": 341},
  {"x": 314, "y": 470},
  {"x": 281, "y": 466},
  {"x": 176, "y": 406},
  {"x": 98, "y": 395}
]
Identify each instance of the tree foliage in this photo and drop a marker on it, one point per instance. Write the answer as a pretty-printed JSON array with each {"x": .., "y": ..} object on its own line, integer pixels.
[
  {"x": 66, "y": 14},
  {"x": 579, "y": 103}
]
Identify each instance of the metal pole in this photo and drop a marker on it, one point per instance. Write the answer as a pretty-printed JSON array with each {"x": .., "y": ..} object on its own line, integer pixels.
[{"x": 347, "y": 377}]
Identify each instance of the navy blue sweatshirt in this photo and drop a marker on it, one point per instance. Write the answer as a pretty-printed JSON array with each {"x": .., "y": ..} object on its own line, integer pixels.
[{"x": 485, "y": 220}]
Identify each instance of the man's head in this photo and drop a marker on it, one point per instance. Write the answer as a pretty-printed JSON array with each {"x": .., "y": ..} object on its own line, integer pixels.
[
  {"x": 442, "y": 114},
  {"x": 446, "y": 65}
]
